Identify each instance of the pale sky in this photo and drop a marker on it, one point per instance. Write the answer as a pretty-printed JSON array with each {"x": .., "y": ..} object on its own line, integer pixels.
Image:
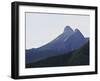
[{"x": 42, "y": 28}]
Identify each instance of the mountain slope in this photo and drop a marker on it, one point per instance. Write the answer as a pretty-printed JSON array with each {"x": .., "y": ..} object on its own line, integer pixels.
[
  {"x": 58, "y": 43},
  {"x": 68, "y": 41},
  {"x": 77, "y": 57},
  {"x": 75, "y": 41},
  {"x": 80, "y": 56}
]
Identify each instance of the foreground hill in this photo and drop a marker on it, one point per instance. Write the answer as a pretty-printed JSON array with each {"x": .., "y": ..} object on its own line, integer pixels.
[{"x": 74, "y": 58}]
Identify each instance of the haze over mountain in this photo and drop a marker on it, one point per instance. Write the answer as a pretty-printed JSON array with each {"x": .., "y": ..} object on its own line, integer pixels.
[{"x": 67, "y": 42}]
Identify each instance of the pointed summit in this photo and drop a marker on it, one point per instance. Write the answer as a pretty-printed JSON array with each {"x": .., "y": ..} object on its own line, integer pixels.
[
  {"x": 68, "y": 29},
  {"x": 67, "y": 32},
  {"x": 78, "y": 32}
]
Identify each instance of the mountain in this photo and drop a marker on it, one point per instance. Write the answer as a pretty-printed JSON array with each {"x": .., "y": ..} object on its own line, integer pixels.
[
  {"x": 67, "y": 42},
  {"x": 58, "y": 43},
  {"x": 75, "y": 41},
  {"x": 74, "y": 58},
  {"x": 80, "y": 56}
]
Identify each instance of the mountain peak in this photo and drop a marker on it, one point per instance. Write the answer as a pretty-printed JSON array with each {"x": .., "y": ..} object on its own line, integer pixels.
[
  {"x": 77, "y": 30},
  {"x": 68, "y": 28}
]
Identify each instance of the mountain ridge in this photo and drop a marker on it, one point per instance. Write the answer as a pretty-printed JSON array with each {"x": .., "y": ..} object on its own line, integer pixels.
[
  {"x": 74, "y": 58},
  {"x": 68, "y": 41}
]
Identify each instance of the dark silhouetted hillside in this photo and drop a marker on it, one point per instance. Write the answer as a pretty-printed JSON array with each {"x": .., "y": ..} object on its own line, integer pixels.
[{"x": 74, "y": 58}]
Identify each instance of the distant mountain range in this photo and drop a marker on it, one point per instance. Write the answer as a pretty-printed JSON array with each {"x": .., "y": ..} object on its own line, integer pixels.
[{"x": 65, "y": 44}]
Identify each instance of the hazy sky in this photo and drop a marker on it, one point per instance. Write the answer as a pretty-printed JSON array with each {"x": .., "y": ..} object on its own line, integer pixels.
[{"x": 41, "y": 28}]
